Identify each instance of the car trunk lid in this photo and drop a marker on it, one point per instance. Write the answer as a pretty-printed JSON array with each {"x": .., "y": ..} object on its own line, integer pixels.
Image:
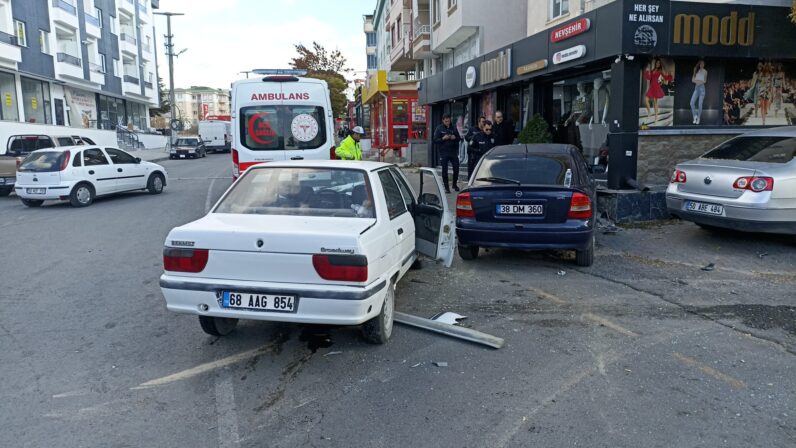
[
  {"x": 714, "y": 177},
  {"x": 505, "y": 203}
]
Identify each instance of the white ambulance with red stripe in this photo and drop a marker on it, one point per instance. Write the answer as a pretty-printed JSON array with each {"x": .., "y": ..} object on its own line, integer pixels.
[{"x": 280, "y": 115}]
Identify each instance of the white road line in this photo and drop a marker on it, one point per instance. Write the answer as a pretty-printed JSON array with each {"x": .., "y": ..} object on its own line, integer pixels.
[
  {"x": 204, "y": 368},
  {"x": 228, "y": 436},
  {"x": 607, "y": 323},
  {"x": 208, "y": 202},
  {"x": 74, "y": 393},
  {"x": 707, "y": 370}
]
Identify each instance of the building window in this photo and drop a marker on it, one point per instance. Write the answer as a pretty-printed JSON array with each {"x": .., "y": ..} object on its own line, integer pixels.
[
  {"x": 22, "y": 39},
  {"x": 98, "y": 12},
  {"x": 558, "y": 8},
  {"x": 102, "y": 63},
  {"x": 371, "y": 39},
  {"x": 372, "y": 62},
  {"x": 8, "y": 98},
  {"x": 5, "y": 17},
  {"x": 44, "y": 41},
  {"x": 36, "y": 100},
  {"x": 451, "y": 4},
  {"x": 435, "y": 7},
  {"x": 117, "y": 69}
]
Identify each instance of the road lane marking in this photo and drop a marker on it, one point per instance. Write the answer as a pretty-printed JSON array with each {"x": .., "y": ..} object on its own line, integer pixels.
[
  {"x": 228, "y": 436},
  {"x": 707, "y": 370},
  {"x": 74, "y": 393},
  {"x": 208, "y": 202},
  {"x": 547, "y": 296},
  {"x": 607, "y": 323},
  {"x": 206, "y": 367}
]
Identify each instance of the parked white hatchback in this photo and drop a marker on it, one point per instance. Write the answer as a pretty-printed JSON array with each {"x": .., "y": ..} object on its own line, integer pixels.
[
  {"x": 79, "y": 174},
  {"x": 315, "y": 242}
]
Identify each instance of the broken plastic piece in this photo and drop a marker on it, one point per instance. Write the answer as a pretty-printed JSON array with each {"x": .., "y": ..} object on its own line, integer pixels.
[
  {"x": 709, "y": 267},
  {"x": 449, "y": 330},
  {"x": 448, "y": 318}
]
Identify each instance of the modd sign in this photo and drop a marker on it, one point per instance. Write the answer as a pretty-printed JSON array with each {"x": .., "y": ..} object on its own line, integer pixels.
[{"x": 496, "y": 69}]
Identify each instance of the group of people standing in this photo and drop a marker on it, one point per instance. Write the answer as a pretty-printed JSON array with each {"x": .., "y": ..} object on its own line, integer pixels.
[
  {"x": 767, "y": 89},
  {"x": 480, "y": 139}
]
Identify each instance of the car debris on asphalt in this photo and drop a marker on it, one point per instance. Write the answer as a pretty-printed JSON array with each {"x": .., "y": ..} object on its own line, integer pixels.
[
  {"x": 709, "y": 267},
  {"x": 449, "y": 330},
  {"x": 448, "y": 318},
  {"x": 440, "y": 364}
]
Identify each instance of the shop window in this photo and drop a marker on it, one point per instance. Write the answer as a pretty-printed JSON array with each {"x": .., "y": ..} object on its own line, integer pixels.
[
  {"x": 36, "y": 100},
  {"x": 8, "y": 98},
  {"x": 580, "y": 112}
]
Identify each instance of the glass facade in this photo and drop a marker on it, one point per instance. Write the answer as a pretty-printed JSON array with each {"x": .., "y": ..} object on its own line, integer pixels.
[
  {"x": 36, "y": 100},
  {"x": 8, "y": 97}
]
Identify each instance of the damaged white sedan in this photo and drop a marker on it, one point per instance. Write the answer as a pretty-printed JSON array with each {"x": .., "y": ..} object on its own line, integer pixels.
[{"x": 321, "y": 242}]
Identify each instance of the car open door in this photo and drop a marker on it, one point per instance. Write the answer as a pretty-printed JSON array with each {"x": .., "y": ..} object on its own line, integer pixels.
[{"x": 434, "y": 223}]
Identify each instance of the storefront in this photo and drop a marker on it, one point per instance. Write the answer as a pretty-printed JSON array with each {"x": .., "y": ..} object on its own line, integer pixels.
[
  {"x": 396, "y": 117},
  {"x": 624, "y": 82}
]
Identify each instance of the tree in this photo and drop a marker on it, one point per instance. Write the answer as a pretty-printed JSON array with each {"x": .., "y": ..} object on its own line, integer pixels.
[
  {"x": 793, "y": 12},
  {"x": 329, "y": 66},
  {"x": 536, "y": 131},
  {"x": 165, "y": 105}
]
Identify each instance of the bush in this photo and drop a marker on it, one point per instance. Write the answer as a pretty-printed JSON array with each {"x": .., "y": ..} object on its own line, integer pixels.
[{"x": 536, "y": 130}]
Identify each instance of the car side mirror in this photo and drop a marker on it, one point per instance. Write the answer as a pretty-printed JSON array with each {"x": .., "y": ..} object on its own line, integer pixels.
[{"x": 137, "y": 160}]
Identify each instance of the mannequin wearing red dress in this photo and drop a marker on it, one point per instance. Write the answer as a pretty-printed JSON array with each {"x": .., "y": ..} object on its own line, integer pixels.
[{"x": 655, "y": 92}]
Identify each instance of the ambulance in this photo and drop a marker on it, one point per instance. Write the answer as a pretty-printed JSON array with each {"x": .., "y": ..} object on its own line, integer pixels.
[{"x": 280, "y": 115}]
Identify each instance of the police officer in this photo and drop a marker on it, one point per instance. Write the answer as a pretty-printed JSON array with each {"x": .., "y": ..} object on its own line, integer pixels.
[
  {"x": 349, "y": 148},
  {"x": 447, "y": 139},
  {"x": 481, "y": 143}
]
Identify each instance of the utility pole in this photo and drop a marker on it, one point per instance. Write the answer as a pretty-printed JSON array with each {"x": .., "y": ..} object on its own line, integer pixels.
[
  {"x": 247, "y": 73},
  {"x": 171, "y": 55}
]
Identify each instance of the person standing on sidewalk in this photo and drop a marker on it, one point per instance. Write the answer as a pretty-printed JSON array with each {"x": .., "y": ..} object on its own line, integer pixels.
[
  {"x": 481, "y": 143},
  {"x": 447, "y": 139},
  {"x": 503, "y": 130},
  {"x": 349, "y": 148}
]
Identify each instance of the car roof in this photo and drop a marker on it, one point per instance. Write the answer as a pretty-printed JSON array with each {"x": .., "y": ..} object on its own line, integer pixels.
[
  {"x": 782, "y": 131},
  {"x": 535, "y": 148},
  {"x": 341, "y": 164}
]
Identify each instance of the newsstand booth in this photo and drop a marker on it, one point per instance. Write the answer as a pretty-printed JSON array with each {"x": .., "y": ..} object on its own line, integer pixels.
[
  {"x": 639, "y": 85},
  {"x": 395, "y": 115}
]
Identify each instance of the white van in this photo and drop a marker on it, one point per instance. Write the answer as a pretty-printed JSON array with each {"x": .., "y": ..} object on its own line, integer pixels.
[
  {"x": 280, "y": 116},
  {"x": 216, "y": 135}
]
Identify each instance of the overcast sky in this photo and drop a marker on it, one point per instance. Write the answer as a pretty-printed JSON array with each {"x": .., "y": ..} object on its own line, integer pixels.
[{"x": 225, "y": 37}]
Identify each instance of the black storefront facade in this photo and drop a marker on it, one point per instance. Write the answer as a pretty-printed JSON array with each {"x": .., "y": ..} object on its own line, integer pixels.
[{"x": 621, "y": 82}]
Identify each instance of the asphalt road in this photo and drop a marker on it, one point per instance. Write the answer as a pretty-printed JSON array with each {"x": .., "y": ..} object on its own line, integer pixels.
[{"x": 643, "y": 349}]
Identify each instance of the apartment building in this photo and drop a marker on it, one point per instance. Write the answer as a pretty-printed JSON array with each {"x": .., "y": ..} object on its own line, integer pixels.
[
  {"x": 196, "y": 103},
  {"x": 79, "y": 63}
]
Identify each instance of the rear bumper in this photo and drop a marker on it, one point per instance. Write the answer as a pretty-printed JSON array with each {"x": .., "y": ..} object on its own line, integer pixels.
[
  {"x": 53, "y": 192},
  {"x": 317, "y": 304},
  {"x": 742, "y": 218},
  {"x": 7, "y": 182},
  {"x": 573, "y": 235}
]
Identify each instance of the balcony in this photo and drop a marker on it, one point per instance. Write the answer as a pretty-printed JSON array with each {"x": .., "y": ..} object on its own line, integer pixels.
[
  {"x": 93, "y": 26},
  {"x": 10, "y": 53},
  {"x": 401, "y": 54},
  {"x": 64, "y": 12},
  {"x": 421, "y": 44},
  {"x": 69, "y": 59},
  {"x": 127, "y": 41},
  {"x": 131, "y": 79},
  {"x": 127, "y": 36},
  {"x": 69, "y": 67},
  {"x": 127, "y": 5},
  {"x": 66, "y": 6},
  {"x": 96, "y": 73}
]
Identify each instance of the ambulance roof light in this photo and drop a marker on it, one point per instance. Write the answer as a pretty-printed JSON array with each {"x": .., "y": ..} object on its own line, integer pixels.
[{"x": 280, "y": 71}]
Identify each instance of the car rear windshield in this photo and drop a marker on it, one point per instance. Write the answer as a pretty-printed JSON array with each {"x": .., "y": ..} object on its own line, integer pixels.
[
  {"x": 266, "y": 128},
  {"x": 756, "y": 149},
  {"x": 22, "y": 145},
  {"x": 42, "y": 162},
  {"x": 187, "y": 142},
  {"x": 536, "y": 169},
  {"x": 301, "y": 192}
]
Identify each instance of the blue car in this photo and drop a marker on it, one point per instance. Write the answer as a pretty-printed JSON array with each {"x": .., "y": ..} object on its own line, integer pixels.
[{"x": 537, "y": 197}]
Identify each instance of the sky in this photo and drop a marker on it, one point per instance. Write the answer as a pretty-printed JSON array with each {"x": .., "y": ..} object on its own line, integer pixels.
[{"x": 226, "y": 37}]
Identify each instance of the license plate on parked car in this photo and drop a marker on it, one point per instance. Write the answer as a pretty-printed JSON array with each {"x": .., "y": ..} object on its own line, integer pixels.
[
  {"x": 260, "y": 302},
  {"x": 519, "y": 209},
  {"x": 703, "y": 207},
  {"x": 35, "y": 190}
]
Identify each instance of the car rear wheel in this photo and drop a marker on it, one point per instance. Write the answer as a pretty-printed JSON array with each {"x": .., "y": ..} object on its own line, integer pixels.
[
  {"x": 4, "y": 192},
  {"x": 82, "y": 195},
  {"x": 468, "y": 252},
  {"x": 217, "y": 326},
  {"x": 32, "y": 202},
  {"x": 155, "y": 184},
  {"x": 585, "y": 257},
  {"x": 379, "y": 329}
]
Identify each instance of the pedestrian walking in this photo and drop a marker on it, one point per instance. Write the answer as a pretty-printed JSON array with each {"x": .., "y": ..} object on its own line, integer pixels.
[
  {"x": 447, "y": 139},
  {"x": 503, "y": 130},
  {"x": 481, "y": 143},
  {"x": 349, "y": 148}
]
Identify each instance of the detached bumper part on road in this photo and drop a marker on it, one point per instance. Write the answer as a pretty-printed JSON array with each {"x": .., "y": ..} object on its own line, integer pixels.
[
  {"x": 316, "y": 304},
  {"x": 529, "y": 237},
  {"x": 741, "y": 218}
]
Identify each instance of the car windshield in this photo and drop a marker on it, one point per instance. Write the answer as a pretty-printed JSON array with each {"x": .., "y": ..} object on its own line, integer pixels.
[
  {"x": 301, "y": 192},
  {"x": 267, "y": 128},
  {"x": 756, "y": 149},
  {"x": 41, "y": 162},
  {"x": 536, "y": 169},
  {"x": 187, "y": 142}
]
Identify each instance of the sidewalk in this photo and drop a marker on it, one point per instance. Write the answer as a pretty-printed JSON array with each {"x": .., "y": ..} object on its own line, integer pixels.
[{"x": 151, "y": 155}]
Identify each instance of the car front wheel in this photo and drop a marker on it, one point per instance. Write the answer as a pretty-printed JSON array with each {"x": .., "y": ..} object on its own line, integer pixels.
[
  {"x": 217, "y": 326},
  {"x": 155, "y": 184},
  {"x": 379, "y": 329}
]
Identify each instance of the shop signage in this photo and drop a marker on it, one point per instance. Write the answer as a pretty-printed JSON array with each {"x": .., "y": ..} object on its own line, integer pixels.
[
  {"x": 469, "y": 77},
  {"x": 579, "y": 26},
  {"x": 570, "y": 54},
  {"x": 692, "y": 29},
  {"x": 649, "y": 18},
  {"x": 34, "y": 103},
  {"x": 9, "y": 102},
  {"x": 532, "y": 67},
  {"x": 205, "y": 110},
  {"x": 496, "y": 69}
]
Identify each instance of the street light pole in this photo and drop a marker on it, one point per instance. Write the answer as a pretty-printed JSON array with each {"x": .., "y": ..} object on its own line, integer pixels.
[{"x": 171, "y": 55}]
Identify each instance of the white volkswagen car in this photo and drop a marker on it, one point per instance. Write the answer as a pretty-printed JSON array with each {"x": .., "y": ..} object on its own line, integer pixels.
[
  {"x": 315, "y": 242},
  {"x": 79, "y": 174}
]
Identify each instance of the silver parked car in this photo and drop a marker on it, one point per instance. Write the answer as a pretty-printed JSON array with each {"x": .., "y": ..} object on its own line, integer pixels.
[{"x": 747, "y": 183}]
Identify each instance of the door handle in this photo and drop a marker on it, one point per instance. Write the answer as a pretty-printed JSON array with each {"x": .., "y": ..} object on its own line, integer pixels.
[
  {"x": 297, "y": 158},
  {"x": 400, "y": 231},
  {"x": 91, "y": 172},
  {"x": 119, "y": 170}
]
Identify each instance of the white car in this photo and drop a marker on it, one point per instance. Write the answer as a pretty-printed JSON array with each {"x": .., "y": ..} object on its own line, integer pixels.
[
  {"x": 79, "y": 174},
  {"x": 314, "y": 242}
]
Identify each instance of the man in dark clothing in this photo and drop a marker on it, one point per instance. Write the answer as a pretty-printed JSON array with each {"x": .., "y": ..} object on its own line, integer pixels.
[
  {"x": 482, "y": 142},
  {"x": 447, "y": 139},
  {"x": 503, "y": 130}
]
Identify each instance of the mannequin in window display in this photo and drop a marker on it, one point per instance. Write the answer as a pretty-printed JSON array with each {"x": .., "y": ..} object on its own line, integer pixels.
[
  {"x": 656, "y": 75},
  {"x": 581, "y": 113},
  {"x": 593, "y": 135},
  {"x": 602, "y": 97}
]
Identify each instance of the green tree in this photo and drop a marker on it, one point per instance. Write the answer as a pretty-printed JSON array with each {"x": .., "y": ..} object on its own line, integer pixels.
[
  {"x": 329, "y": 66},
  {"x": 793, "y": 12},
  {"x": 536, "y": 131},
  {"x": 165, "y": 105}
]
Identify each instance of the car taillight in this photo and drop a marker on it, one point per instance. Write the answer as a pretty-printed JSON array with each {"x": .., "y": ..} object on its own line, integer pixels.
[
  {"x": 19, "y": 162},
  {"x": 342, "y": 268},
  {"x": 185, "y": 260},
  {"x": 754, "y": 183},
  {"x": 678, "y": 177},
  {"x": 464, "y": 206},
  {"x": 235, "y": 165},
  {"x": 65, "y": 160},
  {"x": 580, "y": 207},
  {"x": 332, "y": 153}
]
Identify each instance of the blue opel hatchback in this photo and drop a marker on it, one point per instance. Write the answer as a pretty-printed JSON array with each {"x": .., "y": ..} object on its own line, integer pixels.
[{"x": 537, "y": 197}]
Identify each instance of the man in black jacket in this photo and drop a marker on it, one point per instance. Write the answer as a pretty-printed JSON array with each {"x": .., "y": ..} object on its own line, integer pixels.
[
  {"x": 503, "y": 130},
  {"x": 447, "y": 139},
  {"x": 481, "y": 143}
]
